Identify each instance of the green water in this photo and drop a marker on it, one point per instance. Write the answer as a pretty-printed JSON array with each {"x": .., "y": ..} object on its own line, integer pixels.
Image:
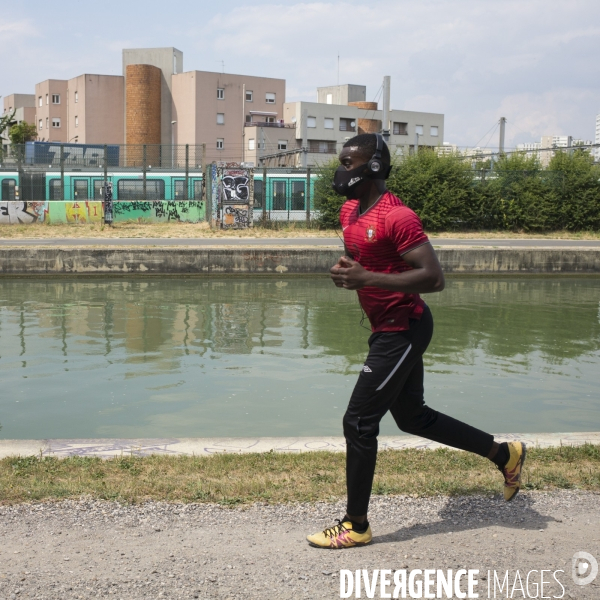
[{"x": 263, "y": 357}]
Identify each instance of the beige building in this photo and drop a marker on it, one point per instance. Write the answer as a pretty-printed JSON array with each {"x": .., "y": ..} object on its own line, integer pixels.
[
  {"x": 217, "y": 108},
  {"x": 95, "y": 109},
  {"x": 51, "y": 110}
]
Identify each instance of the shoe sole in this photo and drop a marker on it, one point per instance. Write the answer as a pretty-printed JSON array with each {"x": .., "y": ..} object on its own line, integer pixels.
[
  {"x": 523, "y": 457},
  {"x": 357, "y": 545}
]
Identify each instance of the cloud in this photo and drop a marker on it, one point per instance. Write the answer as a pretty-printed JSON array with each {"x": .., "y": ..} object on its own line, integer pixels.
[{"x": 533, "y": 62}]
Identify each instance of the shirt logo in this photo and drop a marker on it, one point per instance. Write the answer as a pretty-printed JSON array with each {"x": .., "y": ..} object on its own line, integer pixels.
[
  {"x": 366, "y": 369},
  {"x": 370, "y": 235}
]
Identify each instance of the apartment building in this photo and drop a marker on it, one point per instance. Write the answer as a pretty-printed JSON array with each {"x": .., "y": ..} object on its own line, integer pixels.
[
  {"x": 23, "y": 106},
  {"x": 221, "y": 110},
  {"x": 323, "y": 127},
  {"x": 544, "y": 148},
  {"x": 51, "y": 110},
  {"x": 95, "y": 105}
]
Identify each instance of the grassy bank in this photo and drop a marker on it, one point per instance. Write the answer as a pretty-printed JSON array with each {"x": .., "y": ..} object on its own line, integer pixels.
[
  {"x": 233, "y": 479},
  {"x": 202, "y": 230}
]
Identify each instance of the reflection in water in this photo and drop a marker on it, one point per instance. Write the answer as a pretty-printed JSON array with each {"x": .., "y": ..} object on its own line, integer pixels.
[{"x": 202, "y": 357}]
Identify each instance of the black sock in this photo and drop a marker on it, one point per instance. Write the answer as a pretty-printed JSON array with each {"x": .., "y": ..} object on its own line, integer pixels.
[
  {"x": 358, "y": 527},
  {"x": 502, "y": 456}
]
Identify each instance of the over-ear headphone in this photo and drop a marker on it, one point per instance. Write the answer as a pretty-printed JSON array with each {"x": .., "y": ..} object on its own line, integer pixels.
[{"x": 375, "y": 165}]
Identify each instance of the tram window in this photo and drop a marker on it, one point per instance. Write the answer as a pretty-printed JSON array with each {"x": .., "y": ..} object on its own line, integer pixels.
[
  {"x": 8, "y": 189},
  {"x": 55, "y": 190},
  {"x": 80, "y": 189},
  {"x": 279, "y": 195},
  {"x": 298, "y": 202},
  {"x": 179, "y": 189},
  {"x": 98, "y": 189},
  {"x": 133, "y": 189},
  {"x": 197, "y": 190},
  {"x": 258, "y": 193}
]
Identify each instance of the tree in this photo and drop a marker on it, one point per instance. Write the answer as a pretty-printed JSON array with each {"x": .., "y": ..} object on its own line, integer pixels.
[
  {"x": 22, "y": 132},
  {"x": 6, "y": 120}
]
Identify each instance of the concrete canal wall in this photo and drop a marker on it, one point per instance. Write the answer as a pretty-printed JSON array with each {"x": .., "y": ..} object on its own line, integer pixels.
[{"x": 276, "y": 261}]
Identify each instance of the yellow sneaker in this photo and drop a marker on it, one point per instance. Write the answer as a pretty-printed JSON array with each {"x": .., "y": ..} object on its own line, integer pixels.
[
  {"x": 340, "y": 536},
  {"x": 512, "y": 469}
]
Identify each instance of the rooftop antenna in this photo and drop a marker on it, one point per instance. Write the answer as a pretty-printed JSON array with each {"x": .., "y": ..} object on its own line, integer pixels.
[
  {"x": 338, "y": 68},
  {"x": 222, "y": 66}
]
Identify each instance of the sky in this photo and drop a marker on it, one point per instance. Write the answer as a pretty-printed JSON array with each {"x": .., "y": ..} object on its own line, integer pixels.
[{"x": 535, "y": 62}]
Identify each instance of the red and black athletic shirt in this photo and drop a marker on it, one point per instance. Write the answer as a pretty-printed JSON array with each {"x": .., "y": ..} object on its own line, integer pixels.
[{"x": 377, "y": 239}]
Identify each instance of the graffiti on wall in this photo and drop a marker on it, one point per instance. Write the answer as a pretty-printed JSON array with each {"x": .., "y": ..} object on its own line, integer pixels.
[
  {"x": 235, "y": 215},
  {"x": 14, "y": 213},
  {"x": 190, "y": 211},
  {"x": 83, "y": 212},
  {"x": 235, "y": 195}
]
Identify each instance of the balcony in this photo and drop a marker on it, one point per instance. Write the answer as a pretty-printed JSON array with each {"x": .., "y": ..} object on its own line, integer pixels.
[{"x": 279, "y": 124}]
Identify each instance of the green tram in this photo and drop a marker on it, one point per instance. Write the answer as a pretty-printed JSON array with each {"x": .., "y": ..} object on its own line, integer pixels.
[{"x": 282, "y": 197}]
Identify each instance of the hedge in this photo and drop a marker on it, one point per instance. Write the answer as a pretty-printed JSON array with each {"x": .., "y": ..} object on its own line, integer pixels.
[{"x": 516, "y": 195}]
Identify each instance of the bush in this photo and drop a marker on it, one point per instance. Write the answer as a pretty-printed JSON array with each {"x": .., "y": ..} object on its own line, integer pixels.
[{"x": 516, "y": 195}]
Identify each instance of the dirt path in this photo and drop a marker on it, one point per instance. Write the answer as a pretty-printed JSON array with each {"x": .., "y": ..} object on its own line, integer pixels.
[{"x": 105, "y": 550}]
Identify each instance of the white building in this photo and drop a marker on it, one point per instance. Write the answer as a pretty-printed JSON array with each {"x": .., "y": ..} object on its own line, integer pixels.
[{"x": 597, "y": 139}]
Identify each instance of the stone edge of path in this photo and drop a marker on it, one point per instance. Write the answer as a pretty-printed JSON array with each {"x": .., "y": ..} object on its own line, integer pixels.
[{"x": 109, "y": 448}]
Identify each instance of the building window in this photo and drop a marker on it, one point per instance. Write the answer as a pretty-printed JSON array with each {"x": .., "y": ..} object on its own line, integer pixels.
[
  {"x": 220, "y": 143},
  {"x": 270, "y": 119},
  {"x": 55, "y": 98},
  {"x": 328, "y": 123},
  {"x": 311, "y": 121},
  {"x": 220, "y": 93},
  {"x": 347, "y": 125},
  {"x": 56, "y": 122},
  {"x": 76, "y": 96},
  {"x": 248, "y": 118},
  {"x": 76, "y": 121},
  {"x": 433, "y": 131},
  {"x": 249, "y": 96},
  {"x": 41, "y": 124},
  {"x": 282, "y": 145},
  {"x": 47, "y": 123},
  {"x": 400, "y": 129},
  {"x": 321, "y": 147},
  {"x": 419, "y": 129},
  {"x": 251, "y": 144},
  {"x": 40, "y": 101},
  {"x": 47, "y": 101},
  {"x": 270, "y": 98},
  {"x": 329, "y": 99},
  {"x": 220, "y": 118}
]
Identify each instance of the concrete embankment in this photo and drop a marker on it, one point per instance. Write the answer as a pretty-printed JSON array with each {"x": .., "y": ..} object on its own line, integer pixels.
[
  {"x": 108, "y": 448},
  {"x": 149, "y": 260}
]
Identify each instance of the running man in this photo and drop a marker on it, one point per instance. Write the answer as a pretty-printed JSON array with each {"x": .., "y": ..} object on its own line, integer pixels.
[{"x": 389, "y": 261}]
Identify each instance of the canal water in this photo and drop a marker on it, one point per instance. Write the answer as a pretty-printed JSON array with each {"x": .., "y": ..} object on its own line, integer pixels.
[{"x": 263, "y": 357}]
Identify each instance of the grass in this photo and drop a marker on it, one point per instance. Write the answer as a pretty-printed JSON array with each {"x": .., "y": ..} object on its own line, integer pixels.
[
  {"x": 271, "y": 229},
  {"x": 238, "y": 479}
]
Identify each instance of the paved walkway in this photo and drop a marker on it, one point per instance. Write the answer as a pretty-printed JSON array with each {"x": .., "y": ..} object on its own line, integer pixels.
[
  {"x": 301, "y": 241},
  {"x": 205, "y": 446}
]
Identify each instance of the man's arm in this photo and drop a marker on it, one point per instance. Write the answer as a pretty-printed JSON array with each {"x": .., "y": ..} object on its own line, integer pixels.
[{"x": 425, "y": 276}]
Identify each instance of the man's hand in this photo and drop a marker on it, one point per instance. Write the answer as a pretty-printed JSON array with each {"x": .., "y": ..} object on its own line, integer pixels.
[{"x": 349, "y": 274}]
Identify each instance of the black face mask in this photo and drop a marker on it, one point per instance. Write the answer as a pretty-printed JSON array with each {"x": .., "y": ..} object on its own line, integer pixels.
[{"x": 345, "y": 181}]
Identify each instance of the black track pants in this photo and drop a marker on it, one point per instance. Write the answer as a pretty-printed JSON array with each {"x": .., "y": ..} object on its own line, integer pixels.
[{"x": 392, "y": 379}]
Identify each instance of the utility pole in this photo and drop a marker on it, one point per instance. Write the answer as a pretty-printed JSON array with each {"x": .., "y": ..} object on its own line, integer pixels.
[
  {"x": 304, "y": 131},
  {"x": 244, "y": 122},
  {"x": 385, "y": 125},
  {"x": 502, "y": 131}
]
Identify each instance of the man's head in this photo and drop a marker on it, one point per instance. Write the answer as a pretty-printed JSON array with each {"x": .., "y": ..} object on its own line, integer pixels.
[
  {"x": 355, "y": 176},
  {"x": 361, "y": 148}
]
